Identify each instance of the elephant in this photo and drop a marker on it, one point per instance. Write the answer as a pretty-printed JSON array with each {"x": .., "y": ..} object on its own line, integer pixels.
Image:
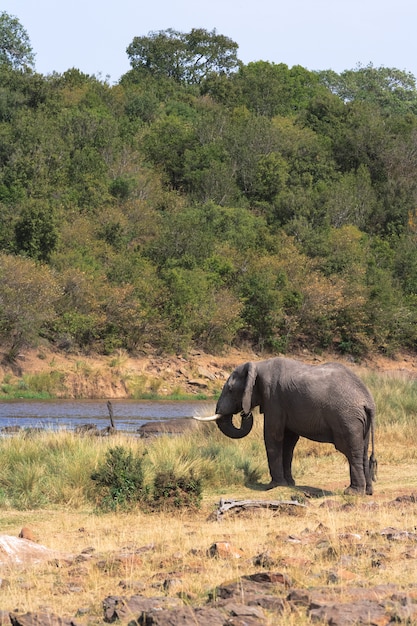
[{"x": 328, "y": 403}]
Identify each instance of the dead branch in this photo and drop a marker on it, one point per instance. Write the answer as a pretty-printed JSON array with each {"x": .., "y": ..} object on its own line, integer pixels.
[{"x": 243, "y": 505}]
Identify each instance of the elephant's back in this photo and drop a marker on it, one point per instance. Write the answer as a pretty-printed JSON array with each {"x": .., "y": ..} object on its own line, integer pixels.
[{"x": 330, "y": 384}]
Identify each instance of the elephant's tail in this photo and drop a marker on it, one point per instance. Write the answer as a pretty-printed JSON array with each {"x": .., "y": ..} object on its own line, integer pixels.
[{"x": 373, "y": 463}]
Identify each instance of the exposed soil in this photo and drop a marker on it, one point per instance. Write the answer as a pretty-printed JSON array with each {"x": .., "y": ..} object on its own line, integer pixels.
[{"x": 122, "y": 376}]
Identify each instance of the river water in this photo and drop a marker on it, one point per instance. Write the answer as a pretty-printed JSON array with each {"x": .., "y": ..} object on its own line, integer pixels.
[{"x": 128, "y": 415}]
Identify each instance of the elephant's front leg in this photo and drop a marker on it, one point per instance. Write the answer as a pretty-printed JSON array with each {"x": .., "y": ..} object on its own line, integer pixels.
[
  {"x": 274, "y": 445},
  {"x": 290, "y": 440}
]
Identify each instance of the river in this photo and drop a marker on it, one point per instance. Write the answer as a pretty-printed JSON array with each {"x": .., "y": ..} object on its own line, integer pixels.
[{"x": 128, "y": 415}]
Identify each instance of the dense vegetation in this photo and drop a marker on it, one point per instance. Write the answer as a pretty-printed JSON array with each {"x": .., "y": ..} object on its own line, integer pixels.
[{"x": 204, "y": 202}]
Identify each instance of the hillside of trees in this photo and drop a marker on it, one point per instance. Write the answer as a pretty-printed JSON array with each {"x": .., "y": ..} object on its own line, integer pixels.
[{"x": 201, "y": 202}]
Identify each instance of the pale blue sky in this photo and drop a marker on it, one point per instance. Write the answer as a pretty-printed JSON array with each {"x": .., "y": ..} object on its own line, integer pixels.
[{"x": 92, "y": 35}]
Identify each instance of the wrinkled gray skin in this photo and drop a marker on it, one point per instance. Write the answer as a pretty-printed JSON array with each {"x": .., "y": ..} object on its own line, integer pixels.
[{"x": 326, "y": 403}]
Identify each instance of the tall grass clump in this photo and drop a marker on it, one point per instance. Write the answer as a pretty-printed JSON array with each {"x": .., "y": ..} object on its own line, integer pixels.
[
  {"x": 41, "y": 386},
  {"x": 49, "y": 383},
  {"x": 39, "y": 469},
  {"x": 395, "y": 395}
]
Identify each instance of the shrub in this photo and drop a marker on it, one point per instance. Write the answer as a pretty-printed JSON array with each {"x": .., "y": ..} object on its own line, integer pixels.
[
  {"x": 119, "y": 483},
  {"x": 171, "y": 492},
  {"x": 119, "y": 480}
]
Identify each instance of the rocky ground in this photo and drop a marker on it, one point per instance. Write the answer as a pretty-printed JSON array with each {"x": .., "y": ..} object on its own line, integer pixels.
[{"x": 267, "y": 596}]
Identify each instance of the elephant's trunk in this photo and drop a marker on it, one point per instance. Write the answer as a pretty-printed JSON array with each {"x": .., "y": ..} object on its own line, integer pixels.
[{"x": 225, "y": 423}]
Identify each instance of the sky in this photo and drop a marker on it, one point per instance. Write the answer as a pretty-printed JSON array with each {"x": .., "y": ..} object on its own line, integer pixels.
[{"x": 92, "y": 35}]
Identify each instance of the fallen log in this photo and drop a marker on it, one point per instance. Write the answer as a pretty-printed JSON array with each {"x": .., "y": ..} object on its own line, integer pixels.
[{"x": 226, "y": 506}]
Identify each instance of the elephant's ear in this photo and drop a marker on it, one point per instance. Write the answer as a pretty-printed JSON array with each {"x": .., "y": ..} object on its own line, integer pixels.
[{"x": 250, "y": 381}]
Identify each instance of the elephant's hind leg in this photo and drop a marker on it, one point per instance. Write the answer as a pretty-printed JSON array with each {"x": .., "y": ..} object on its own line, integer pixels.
[
  {"x": 358, "y": 482},
  {"x": 366, "y": 468},
  {"x": 355, "y": 456}
]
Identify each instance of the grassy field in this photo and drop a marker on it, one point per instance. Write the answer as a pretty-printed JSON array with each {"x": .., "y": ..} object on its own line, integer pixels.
[{"x": 45, "y": 484}]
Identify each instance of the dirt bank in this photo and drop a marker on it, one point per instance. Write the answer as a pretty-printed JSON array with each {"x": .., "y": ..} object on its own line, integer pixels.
[{"x": 122, "y": 376}]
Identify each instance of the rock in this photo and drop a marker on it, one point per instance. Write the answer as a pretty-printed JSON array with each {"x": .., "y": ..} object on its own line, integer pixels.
[
  {"x": 27, "y": 533},
  {"x": 251, "y": 587},
  {"x": 40, "y": 619},
  {"x": 9, "y": 430},
  {"x": 14, "y": 550},
  {"x": 270, "y": 577},
  {"x": 176, "y": 426},
  {"x": 173, "y": 586},
  {"x": 225, "y": 550},
  {"x": 161, "y": 611},
  {"x": 346, "y": 614},
  {"x": 340, "y": 575},
  {"x": 243, "y": 610},
  {"x": 264, "y": 560},
  {"x": 121, "y": 608},
  {"x": 132, "y": 585},
  {"x": 205, "y": 373},
  {"x": 197, "y": 382},
  {"x": 395, "y": 534},
  {"x": 243, "y": 601},
  {"x": 86, "y": 429},
  {"x": 4, "y": 618},
  {"x": 186, "y": 616}
]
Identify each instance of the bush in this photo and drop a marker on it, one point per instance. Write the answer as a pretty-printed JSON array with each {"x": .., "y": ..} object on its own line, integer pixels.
[
  {"x": 170, "y": 492},
  {"x": 119, "y": 480},
  {"x": 119, "y": 485}
]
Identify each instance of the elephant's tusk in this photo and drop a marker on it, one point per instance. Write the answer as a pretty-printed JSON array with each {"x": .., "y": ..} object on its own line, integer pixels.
[{"x": 210, "y": 418}]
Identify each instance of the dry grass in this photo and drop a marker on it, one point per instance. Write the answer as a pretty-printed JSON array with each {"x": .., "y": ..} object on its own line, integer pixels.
[
  {"x": 333, "y": 535},
  {"x": 177, "y": 543}
]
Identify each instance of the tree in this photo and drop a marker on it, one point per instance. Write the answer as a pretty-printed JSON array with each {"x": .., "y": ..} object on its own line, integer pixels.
[
  {"x": 36, "y": 232},
  {"x": 185, "y": 57},
  {"x": 28, "y": 294},
  {"x": 270, "y": 89},
  {"x": 392, "y": 89},
  {"x": 15, "y": 48},
  {"x": 165, "y": 144}
]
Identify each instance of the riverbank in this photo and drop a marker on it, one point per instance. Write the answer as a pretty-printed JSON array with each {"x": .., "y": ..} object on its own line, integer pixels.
[{"x": 43, "y": 372}]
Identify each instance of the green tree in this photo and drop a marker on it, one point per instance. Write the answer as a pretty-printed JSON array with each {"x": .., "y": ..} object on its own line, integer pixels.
[
  {"x": 15, "y": 48},
  {"x": 166, "y": 144},
  {"x": 249, "y": 138},
  {"x": 393, "y": 90},
  {"x": 208, "y": 167},
  {"x": 262, "y": 293},
  {"x": 352, "y": 199},
  {"x": 28, "y": 294},
  {"x": 185, "y": 57},
  {"x": 274, "y": 89},
  {"x": 271, "y": 176},
  {"x": 36, "y": 231}
]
